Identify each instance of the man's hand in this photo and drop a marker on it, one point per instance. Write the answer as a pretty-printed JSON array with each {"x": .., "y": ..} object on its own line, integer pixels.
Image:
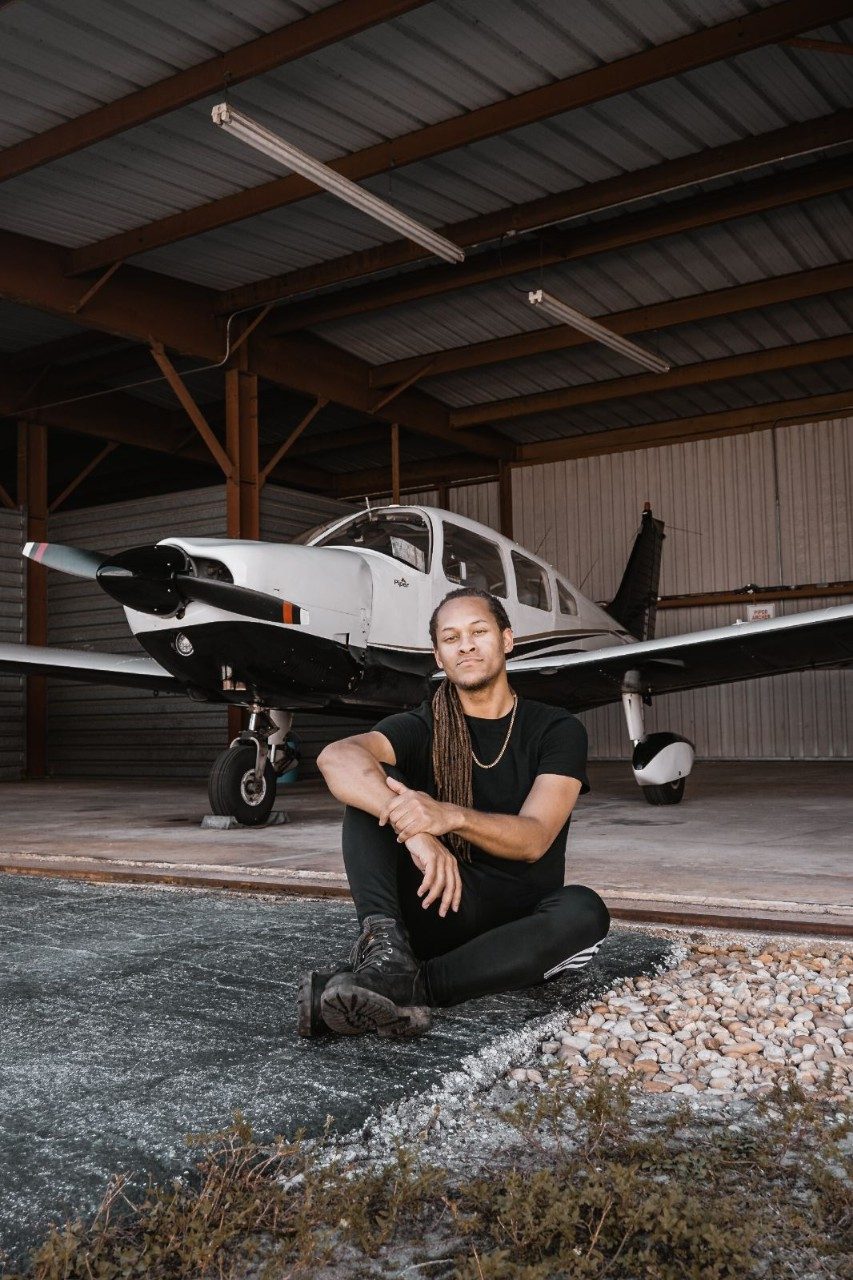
[
  {"x": 413, "y": 813},
  {"x": 441, "y": 873}
]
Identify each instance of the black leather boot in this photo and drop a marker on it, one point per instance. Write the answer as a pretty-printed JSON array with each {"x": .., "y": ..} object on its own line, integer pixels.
[
  {"x": 385, "y": 991},
  {"x": 311, "y": 987}
]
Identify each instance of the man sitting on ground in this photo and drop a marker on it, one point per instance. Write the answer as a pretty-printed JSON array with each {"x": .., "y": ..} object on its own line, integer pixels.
[{"x": 454, "y": 842}]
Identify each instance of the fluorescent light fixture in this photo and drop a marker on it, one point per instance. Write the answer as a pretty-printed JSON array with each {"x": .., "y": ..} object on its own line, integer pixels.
[
  {"x": 255, "y": 135},
  {"x": 558, "y": 310}
]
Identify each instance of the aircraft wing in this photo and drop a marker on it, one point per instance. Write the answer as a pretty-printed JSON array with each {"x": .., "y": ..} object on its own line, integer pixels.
[
  {"x": 136, "y": 671},
  {"x": 797, "y": 642}
]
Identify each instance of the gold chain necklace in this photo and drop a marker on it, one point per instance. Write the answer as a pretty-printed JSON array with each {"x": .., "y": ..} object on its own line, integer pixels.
[{"x": 499, "y": 756}]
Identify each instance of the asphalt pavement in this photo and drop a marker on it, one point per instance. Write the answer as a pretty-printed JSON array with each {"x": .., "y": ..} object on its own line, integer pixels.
[{"x": 131, "y": 1016}]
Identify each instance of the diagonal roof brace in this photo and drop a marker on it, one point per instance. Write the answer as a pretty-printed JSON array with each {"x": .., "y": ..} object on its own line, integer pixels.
[
  {"x": 195, "y": 414},
  {"x": 305, "y": 421}
]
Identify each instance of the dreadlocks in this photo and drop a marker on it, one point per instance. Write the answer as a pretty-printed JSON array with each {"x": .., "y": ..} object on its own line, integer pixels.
[{"x": 451, "y": 741}]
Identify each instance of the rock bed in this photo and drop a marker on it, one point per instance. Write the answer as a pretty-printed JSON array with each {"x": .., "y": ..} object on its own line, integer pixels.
[{"x": 728, "y": 1018}]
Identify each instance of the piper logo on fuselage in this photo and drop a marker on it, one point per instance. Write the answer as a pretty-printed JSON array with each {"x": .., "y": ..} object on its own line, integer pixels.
[{"x": 400, "y": 582}]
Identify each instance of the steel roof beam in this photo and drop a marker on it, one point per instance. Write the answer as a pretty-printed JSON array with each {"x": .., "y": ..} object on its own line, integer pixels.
[
  {"x": 140, "y": 305},
  {"x": 427, "y": 475},
  {"x": 593, "y": 197},
  {"x": 662, "y": 315},
  {"x": 127, "y": 420},
  {"x": 337, "y": 22},
  {"x": 120, "y": 418},
  {"x": 671, "y": 218},
  {"x": 649, "y": 435},
  {"x": 72, "y": 347},
  {"x": 690, "y": 375},
  {"x": 699, "y": 49},
  {"x": 756, "y": 417},
  {"x": 369, "y": 435}
]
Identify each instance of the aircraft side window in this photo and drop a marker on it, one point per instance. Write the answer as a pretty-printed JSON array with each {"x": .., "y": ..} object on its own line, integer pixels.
[
  {"x": 472, "y": 561},
  {"x": 568, "y": 604},
  {"x": 531, "y": 582}
]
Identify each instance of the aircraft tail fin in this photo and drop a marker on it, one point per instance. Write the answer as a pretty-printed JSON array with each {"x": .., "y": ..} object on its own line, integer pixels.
[{"x": 635, "y": 603}]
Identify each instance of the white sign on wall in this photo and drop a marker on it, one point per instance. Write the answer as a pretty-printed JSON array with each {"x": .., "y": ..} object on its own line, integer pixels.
[{"x": 760, "y": 612}]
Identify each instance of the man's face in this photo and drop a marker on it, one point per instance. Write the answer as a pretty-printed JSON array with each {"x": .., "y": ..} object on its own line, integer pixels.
[{"x": 470, "y": 647}]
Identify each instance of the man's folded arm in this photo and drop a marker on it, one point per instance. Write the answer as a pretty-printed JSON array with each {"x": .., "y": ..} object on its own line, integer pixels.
[
  {"x": 527, "y": 836},
  {"x": 352, "y": 769}
]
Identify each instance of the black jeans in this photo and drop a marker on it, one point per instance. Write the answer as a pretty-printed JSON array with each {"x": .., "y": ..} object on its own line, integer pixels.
[{"x": 503, "y": 936}]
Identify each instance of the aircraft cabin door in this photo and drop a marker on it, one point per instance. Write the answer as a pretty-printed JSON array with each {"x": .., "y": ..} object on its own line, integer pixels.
[{"x": 469, "y": 560}]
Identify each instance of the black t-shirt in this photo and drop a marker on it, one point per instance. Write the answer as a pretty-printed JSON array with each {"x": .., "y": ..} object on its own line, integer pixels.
[{"x": 544, "y": 739}]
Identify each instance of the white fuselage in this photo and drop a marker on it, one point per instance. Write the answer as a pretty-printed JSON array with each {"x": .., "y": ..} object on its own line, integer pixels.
[
  {"x": 369, "y": 600},
  {"x": 357, "y": 599}
]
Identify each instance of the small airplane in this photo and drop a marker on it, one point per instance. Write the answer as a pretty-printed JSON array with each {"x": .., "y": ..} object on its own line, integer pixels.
[{"x": 338, "y": 622}]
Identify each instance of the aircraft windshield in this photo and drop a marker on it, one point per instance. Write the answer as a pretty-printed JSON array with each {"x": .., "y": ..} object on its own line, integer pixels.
[{"x": 402, "y": 535}]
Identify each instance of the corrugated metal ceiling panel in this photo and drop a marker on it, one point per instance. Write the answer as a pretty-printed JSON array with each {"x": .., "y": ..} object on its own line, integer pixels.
[
  {"x": 413, "y": 448},
  {"x": 833, "y": 376},
  {"x": 429, "y": 65},
  {"x": 22, "y": 327},
  {"x": 778, "y": 326},
  {"x": 667, "y": 120},
  {"x": 60, "y": 61},
  {"x": 205, "y": 386},
  {"x": 770, "y": 244}
]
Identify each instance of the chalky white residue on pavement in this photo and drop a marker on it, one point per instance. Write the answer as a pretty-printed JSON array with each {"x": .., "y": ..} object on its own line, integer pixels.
[{"x": 729, "y": 1017}]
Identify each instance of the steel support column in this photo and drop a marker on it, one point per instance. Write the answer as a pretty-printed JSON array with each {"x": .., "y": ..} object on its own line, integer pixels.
[
  {"x": 505, "y": 491},
  {"x": 242, "y": 486},
  {"x": 395, "y": 462},
  {"x": 33, "y": 493}
]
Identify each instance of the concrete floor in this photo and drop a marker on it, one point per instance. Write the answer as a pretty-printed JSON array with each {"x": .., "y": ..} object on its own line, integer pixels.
[{"x": 760, "y": 838}]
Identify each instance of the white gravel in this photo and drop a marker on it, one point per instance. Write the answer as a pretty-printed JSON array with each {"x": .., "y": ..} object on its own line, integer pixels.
[
  {"x": 731, "y": 1016},
  {"x": 741, "y": 1005}
]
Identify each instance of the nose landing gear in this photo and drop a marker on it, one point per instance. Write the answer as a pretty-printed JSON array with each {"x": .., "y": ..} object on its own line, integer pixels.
[{"x": 243, "y": 778}]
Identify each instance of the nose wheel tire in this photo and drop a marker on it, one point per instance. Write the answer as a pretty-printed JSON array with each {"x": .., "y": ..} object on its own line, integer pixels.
[
  {"x": 665, "y": 793},
  {"x": 235, "y": 791}
]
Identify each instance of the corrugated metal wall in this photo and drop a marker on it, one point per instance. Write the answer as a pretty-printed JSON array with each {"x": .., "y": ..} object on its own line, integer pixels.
[
  {"x": 11, "y": 632},
  {"x": 110, "y": 732},
  {"x": 719, "y": 501},
  {"x": 285, "y": 513},
  {"x": 477, "y": 501}
]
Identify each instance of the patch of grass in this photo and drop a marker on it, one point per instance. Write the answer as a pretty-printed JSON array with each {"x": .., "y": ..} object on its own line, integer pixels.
[
  {"x": 681, "y": 1199},
  {"x": 595, "y": 1186}
]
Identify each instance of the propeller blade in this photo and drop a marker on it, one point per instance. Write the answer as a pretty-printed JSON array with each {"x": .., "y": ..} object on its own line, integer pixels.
[
  {"x": 152, "y": 580},
  {"x": 83, "y": 564},
  {"x": 225, "y": 595}
]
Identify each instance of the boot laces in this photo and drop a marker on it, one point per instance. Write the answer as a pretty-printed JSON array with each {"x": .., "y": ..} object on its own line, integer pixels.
[{"x": 377, "y": 947}]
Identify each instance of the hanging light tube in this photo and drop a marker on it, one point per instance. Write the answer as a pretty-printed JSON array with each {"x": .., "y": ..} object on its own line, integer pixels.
[
  {"x": 255, "y": 135},
  {"x": 558, "y": 310}
]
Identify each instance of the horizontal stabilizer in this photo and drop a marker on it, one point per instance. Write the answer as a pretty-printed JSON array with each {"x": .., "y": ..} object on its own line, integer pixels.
[{"x": 136, "y": 672}]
